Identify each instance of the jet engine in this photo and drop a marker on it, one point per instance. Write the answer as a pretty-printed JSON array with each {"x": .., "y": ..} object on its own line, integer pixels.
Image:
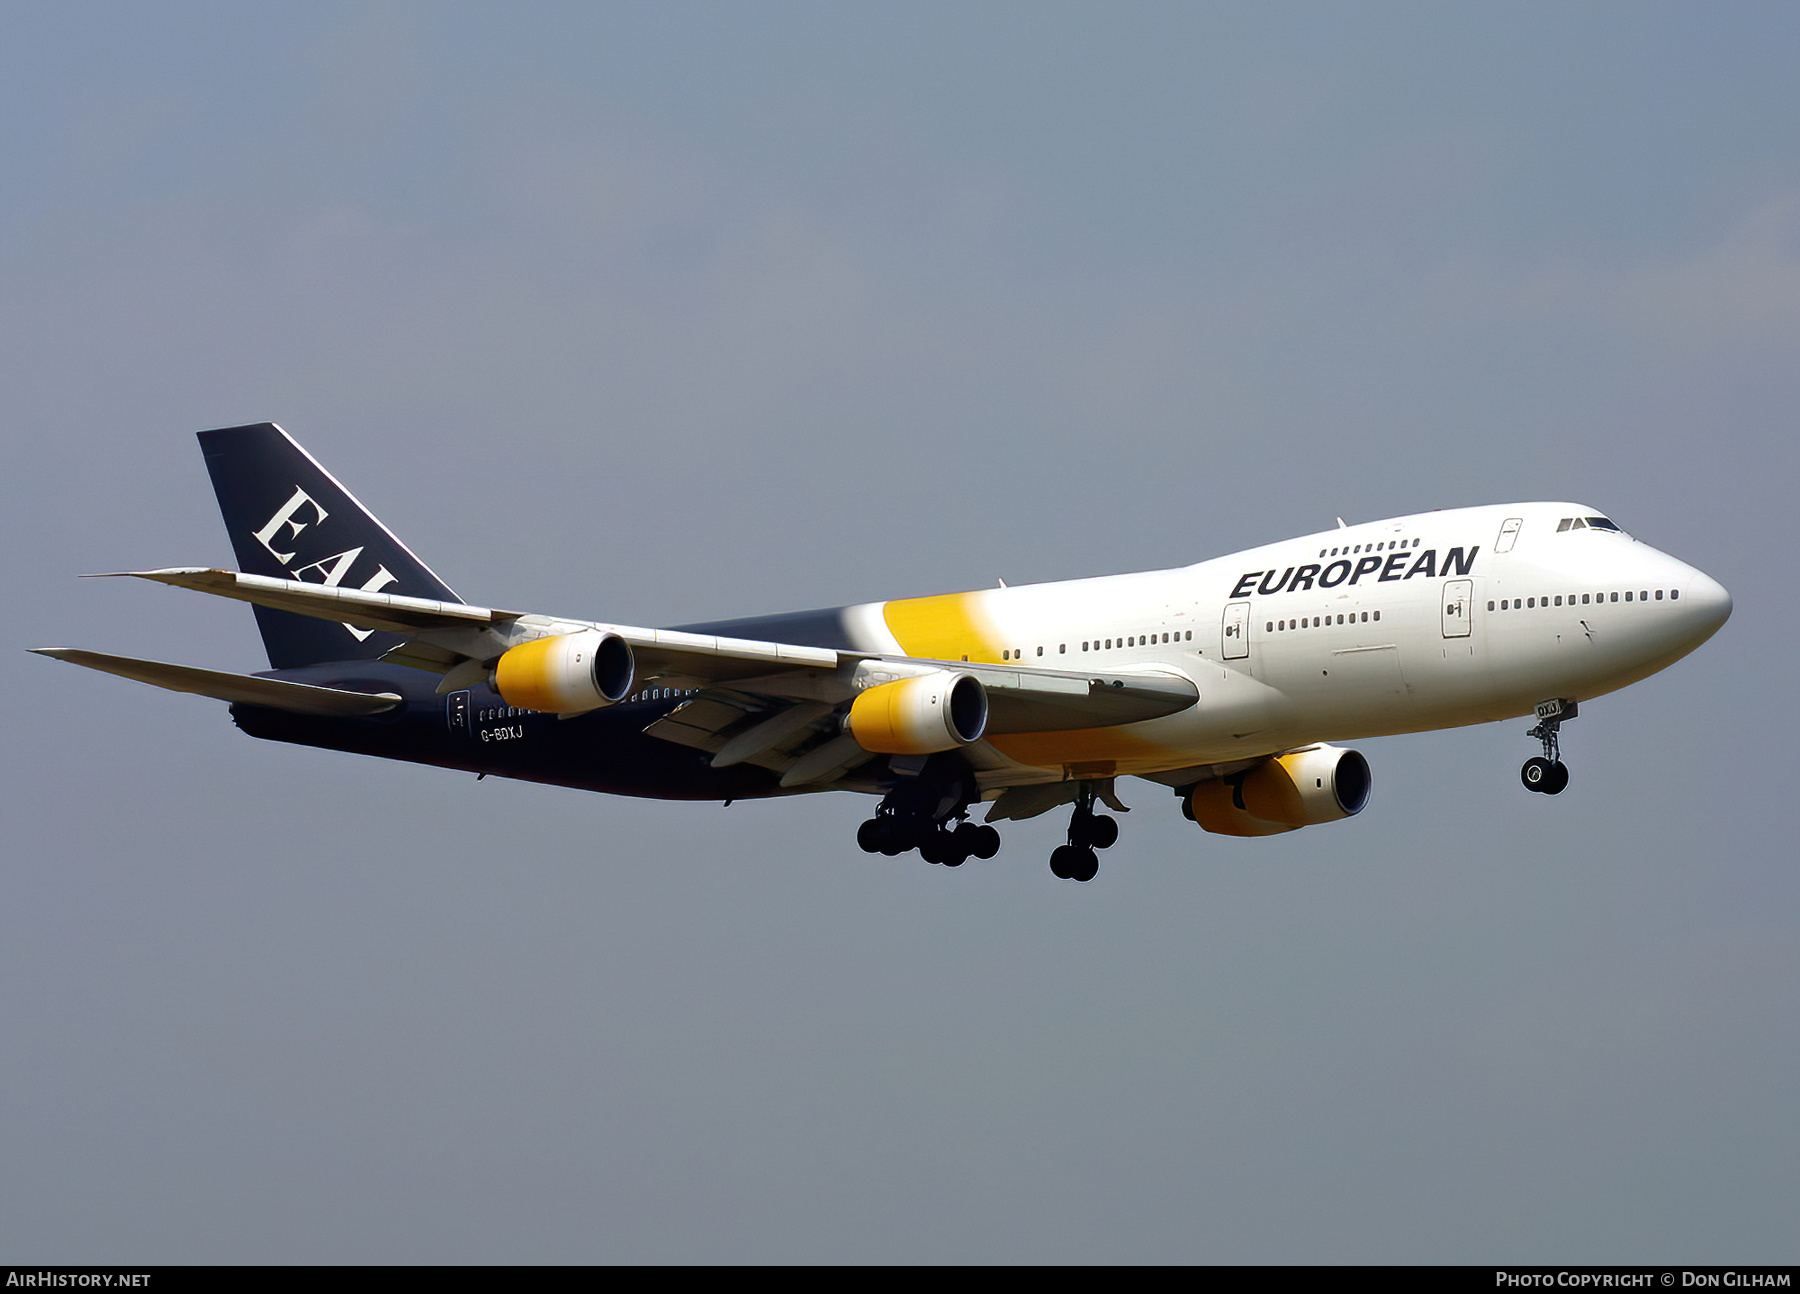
[
  {"x": 1298, "y": 789},
  {"x": 920, "y": 716},
  {"x": 566, "y": 673}
]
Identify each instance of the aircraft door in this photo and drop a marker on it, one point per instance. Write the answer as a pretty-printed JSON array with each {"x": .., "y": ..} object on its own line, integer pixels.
[
  {"x": 1509, "y": 531},
  {"x": 456, "y": 712},
  {"x": 1237, "y": 631},
  {"x": 1457, "y": 612}
]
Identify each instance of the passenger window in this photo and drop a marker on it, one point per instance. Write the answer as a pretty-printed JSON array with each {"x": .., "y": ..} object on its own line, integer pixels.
[
  {"x": 1365, "y": 616},
  {"x": 1673, "y": 594},
  {"x": 1627, "y": 595},
  {"x": 1062, "y": 649},
  {"x": 1643, "y": 595},
  {"x": 1559, "y": 599},
  {"x": 1615, "y": 597},
  {"x": 1531, "y": 602},
  {"x": 1490, "y": 606},
  {"x": 1378, "y": 615},
  {"x": 1584, "y": 599},
  {"x": 1659, "y": 595},
  {"x": 1270, "y": 627},
  {"x": 1040, "y": 651}
]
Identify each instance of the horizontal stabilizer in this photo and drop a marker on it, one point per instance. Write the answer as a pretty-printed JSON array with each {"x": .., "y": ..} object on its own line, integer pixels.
[{"x": 276, "y": 694}]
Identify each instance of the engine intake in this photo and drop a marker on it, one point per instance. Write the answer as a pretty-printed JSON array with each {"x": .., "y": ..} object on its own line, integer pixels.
[
  {"x": 1300, "y": 789},
  {"x": 566, "y": 673},
  {"x": 920, "y": 716}
]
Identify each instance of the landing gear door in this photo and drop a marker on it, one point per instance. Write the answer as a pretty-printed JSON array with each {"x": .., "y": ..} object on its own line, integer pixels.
[
  {"x": 1457, "y": 594},
  {"x": 1237, "y": 631}
]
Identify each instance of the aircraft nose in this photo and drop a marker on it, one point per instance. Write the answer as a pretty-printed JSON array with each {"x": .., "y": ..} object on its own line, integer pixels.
[
  {"x": 1708, "y": 601},
  {"x": 1705, "y": 603}
]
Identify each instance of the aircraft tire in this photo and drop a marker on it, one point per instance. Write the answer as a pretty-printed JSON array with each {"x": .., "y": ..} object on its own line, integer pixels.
[
  {"x": 1103, "y": 832},
  {"x": 987, "y": 842},
  {"x": 1535, "y": 774},
  {"x": 868, "y": 837},
  {"x": 1086, "y": 866},
  {"x": 1062, "y": 862},
  {"x": 1558, "y": 781}
]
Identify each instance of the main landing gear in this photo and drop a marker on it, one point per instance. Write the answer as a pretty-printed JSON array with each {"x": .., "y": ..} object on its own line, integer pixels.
[
  {"x": 931, "y": 819},
  {"x": 1548, "y": 775},
  {"x": 947, "y": 843},
  {"x": 1088, "y": 831}
]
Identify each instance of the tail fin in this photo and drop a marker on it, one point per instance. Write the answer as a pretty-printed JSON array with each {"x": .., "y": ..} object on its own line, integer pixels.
[{"x": 288, "y": 517}]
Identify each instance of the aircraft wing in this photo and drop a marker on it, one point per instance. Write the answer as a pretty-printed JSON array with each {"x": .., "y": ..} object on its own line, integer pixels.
[{"x": 761, "y": 700}]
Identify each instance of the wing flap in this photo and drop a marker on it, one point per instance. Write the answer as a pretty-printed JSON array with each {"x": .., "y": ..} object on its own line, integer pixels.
[{"x": 246, "y": 689}]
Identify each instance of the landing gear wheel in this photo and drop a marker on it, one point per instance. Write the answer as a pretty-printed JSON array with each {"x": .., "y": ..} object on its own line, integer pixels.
[
  {"x": 936, "y": 848},
  {"x": 894, "y": 839},
  {"x": 1086, "y": 867},
  {"x": 868, "y": 837},
  {"x": 1547, "y": 775},
  {"x": 1101, "y": 831},
  {"x": 987, "y": 842},
  {"x": 1063, "y": 860}
]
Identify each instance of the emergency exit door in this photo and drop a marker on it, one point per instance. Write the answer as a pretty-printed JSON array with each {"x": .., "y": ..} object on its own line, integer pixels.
[
  {"x": 1457, "y": 595},
  {"x": 1237, "y": 631}
]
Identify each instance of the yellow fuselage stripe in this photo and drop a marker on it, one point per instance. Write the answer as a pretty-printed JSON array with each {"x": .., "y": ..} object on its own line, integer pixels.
[
  {"x": 948, "y": 627},
  {"x": 955, "y": 627}
]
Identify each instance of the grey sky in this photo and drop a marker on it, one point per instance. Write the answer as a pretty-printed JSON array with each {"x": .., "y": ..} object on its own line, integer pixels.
[{"x": 666, "y": 312}]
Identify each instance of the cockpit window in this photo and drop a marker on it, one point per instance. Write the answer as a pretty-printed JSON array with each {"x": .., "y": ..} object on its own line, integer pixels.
[{"x": 1583, "y": 523}]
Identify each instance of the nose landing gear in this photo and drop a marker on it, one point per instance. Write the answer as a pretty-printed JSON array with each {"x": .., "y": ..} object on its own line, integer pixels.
[{"x": 1547, "y": 774}]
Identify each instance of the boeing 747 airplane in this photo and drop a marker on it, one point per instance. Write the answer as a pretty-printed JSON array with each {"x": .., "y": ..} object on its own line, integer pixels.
[{"x": 1226, "y": 681}]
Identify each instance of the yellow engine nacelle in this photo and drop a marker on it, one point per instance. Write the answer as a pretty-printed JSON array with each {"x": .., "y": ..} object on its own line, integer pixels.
[
  {"x": 920, "y": 716},
  {"x": 1299, "y": 789},
  {"x": 566, "y": 673}
]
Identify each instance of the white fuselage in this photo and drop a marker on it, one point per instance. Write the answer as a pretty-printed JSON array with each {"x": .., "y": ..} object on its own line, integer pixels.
[{"x": 1430, "y": 621}]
